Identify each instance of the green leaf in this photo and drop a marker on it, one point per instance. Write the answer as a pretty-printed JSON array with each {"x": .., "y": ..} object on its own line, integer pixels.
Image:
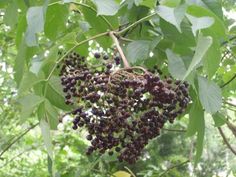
[
  {"x": 121, "y": 174},
  {"x": 21, "y": 27},
  {"x": 218, "y": 28},
  {"x": 176, "y": 65},
  {"x": 28, "y": 105},
  {"x": 200, "y": 140},
  {"x": 98, "y": 26},
  {"x": 203, "y": 45},
  {"x": 200, "y": 23},
  {"x": 27, "y": 82},
  {"x": 138, "y": 50},
  {"x": 183, "y": 42},
  {"x": 107, "y": 7},
  {"x": 215, "y": 6},
  {"x": 149, "y": 3},
  {"x": 172, "y": 15},
  {"x": 197, "y": 125},
  {"x": 11, "y": 14},
  {"x": 212, "y": 58},
  {"x": 45, "y": 130},
  {"x": 195, "y": 115},
  {"x": 210, "y": 95},
  {"x": 55, "y": 94},
  {"x": 56, "y": 18},
  {"x": 24, "y": 53},
  {"x": 170, "y": 3},
  {"x": 52, "y": 115},
  {"x": 35, "y": 21},
  {"x": 219, "y": 119}
]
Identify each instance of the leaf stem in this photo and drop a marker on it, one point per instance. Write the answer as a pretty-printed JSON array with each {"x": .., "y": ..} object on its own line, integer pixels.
[
  {"x": 137, "y": 22},
  {"x": 114, "y": 38},
  {"x": 18, "y": 138}
]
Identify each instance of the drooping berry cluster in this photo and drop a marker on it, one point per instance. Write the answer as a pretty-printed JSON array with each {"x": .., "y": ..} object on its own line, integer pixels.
[{"x": 122, "y": 109}]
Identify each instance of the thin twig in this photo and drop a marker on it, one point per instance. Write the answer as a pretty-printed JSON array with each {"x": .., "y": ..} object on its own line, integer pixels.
[
  {"x": 228, "y": 82},
  {"x": 226, "y": 141},
  {"x": 175, "y": 166},
  {"x": 114, "y": 38},
  {"x": 17, "y": 139}
]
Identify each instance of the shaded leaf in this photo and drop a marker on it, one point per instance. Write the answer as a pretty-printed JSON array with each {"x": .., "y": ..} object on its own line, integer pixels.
[
  {"x": 210, "y": 95},
  {"x": 176, "y": 65},
  {"x": 55, "y": 94},
  {"x": 138, "y": 50}
]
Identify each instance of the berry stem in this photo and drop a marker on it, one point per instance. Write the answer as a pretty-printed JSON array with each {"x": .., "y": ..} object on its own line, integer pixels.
[{"x": 114, "y": 38}]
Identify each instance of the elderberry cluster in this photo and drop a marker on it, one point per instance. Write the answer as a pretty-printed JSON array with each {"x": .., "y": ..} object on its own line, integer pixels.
[{"x": 121, "y": 108}]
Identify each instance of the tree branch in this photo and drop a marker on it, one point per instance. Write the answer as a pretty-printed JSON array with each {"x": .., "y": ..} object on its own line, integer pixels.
[
  {"x": 231, "y": 104},
  {"x": 17, "y": 139},
  {"x": 114, "y": 38},
  {"x": 226, "y": 141},
  {"x": 228, "y": 82},
  {"x": 175, "y": 166}
]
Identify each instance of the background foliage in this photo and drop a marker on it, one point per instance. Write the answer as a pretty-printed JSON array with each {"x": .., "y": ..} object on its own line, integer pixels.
[{"x": 189, "y": 40}]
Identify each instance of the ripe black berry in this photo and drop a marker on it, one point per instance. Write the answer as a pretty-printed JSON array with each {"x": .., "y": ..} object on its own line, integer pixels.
[
  {"x": 122, "y": 109},
  {"x": 97, "y": 55}
]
